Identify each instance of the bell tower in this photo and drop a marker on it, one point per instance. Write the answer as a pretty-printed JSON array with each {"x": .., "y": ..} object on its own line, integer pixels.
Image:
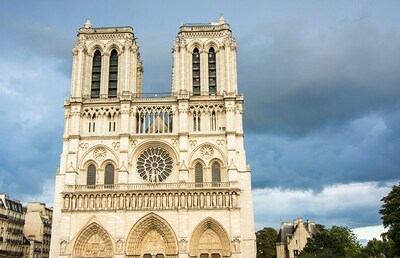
[
  {"x": 106, "y": 63},
  {"x": 205, "y": 59},
  {"x": 153, "y": 176}
]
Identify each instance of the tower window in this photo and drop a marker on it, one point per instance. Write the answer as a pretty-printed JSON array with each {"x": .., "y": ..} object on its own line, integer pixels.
[
  {"x": 196, "y": 122},
  {"x": 91, "y": 175},
  {"x": 96, "y": 75},
  {"x": 213, "y": 121},
  {"x": 216, "y": 172},
  {"x": 113, "y": 75},
  {"x": 109, "y": 175},
  {"x": 212, "y": 72},
  {"x": 198, "y": 173},
  {"x": 196, "y": 71}
]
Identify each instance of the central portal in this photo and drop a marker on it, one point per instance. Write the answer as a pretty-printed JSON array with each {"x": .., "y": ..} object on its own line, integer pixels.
[
  {"x": 152, "y": 237},
  {"x": 153, "y": 245}
]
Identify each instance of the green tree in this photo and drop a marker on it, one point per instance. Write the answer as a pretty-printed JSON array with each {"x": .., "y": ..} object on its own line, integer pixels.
[
  {"x": 266, "y": 241},
  {"x": 331, "y": 243},
  {"x": 391, "y": 217},
  {"x": 375, "y": 247}
]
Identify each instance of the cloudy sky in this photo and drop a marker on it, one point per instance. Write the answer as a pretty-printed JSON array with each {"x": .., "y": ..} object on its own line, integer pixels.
[{"x": 321, "y": 80}]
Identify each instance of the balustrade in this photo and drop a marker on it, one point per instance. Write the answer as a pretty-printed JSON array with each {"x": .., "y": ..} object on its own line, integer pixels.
[{"x": 167, "y": 199}]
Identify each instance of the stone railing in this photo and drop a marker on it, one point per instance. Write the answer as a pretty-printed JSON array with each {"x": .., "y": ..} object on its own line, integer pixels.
[
  {"x": 150, "y": 186},
  {"x": 151, "y": 197}
]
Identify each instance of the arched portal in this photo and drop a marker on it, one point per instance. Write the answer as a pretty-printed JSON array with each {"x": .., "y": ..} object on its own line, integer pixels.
[
  {"x": 209, "y": 240},
  {"x": 93, "y": 242},
  {"x": 151, "y": 236}
]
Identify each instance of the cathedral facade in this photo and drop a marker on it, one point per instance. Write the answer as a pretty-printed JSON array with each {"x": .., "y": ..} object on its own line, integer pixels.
[{"x": 153, "y": 176}]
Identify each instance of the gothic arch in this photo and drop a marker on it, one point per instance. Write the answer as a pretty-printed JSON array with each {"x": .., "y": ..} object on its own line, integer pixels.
[
  {"x": 194, "y": 44},
  {"x": 114, "y": 45},
  {"x": 212, "y": 43},
  {"x": 219, "y": 155},
  {"x": 93, "y": 241},
  {"x": 108, "y": 161},
  {"x": 91, "y": 48},
  {"x": 151, "y": 234},
  {"x": 209, "y": 237},
  {"x": 110, "y": 156}
]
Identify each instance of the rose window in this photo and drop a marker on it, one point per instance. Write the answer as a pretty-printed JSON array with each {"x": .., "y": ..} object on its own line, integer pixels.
[{"x": 154, "y": 164}]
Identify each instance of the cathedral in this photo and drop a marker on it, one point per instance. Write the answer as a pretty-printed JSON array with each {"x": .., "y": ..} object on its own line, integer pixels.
[{"x": 161, "y": 176}]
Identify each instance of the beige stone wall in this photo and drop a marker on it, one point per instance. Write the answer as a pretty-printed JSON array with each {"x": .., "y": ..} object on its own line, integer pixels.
[{"x": 188, "y": 218}]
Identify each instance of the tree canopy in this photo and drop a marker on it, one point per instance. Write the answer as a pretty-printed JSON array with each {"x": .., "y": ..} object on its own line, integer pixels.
[
  {"x": 266, "y": 240},
  {"x": 390, "y": 212},
  {"x": 375, "y": 248},
  {"x": 331, "y": 243}
]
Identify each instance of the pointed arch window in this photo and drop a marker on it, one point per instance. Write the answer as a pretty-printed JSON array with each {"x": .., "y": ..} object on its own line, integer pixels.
[
  {"x": 196, "y": 121},
  {"x": 212, "y": 72},
  {"x": 196, "y": 71},
  {"x": 216, "y": 172},
  {"x": 198, "y": 173},
  {"x": 113, "y": 75},
  {"x": 91, "y": 175},
  {"x": 109, "y": 175},
  {"x": 96, "y": 75},
  {"x": 213, "y": 121}
]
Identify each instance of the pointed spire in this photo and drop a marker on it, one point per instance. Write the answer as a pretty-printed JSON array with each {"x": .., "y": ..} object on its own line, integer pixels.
[
  {"x": 221, "y": 19},
  {"x": 88, "y": 25}
]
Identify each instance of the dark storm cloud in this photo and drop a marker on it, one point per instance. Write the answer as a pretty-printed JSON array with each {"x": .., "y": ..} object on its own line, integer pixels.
[
  {"x": 362, "y": 150},
  {"x": 30, "y": 40},
  {"x": 296, "y": 81}
]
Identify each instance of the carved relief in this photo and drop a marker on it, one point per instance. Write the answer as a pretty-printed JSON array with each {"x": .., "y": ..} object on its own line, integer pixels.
[
  {"x": 183, "y": 245},
  {"x": 99, "y": 153},
  {"x": 153, "y": 235},
  {"x": 63, "y": 246},
  {"x": 174, "y": 142},
  {"x": 120, "y": 246},
  {"x": 153, "y": 243},
  {"x": 192, "y": 143},
  {"x": 116, "y": 145},
  {"x": 210, "y": 235},
  {"x": 220, "y": 142},
  {"x": 134, "y": 143},
  {"x": 207, "y": 151},
  {"x": 236, "y": 244},
  {"x": 84, "y": 146},
  {"x": 209, "y": 240},
  {"x": 93, "y": 242}
]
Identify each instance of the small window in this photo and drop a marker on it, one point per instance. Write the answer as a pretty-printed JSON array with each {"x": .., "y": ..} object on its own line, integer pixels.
[
  {"x": 198, "y": 173},
  {"x": 113, "y": 75},
  {"x": 91, "y": 175},
  {"x": 216, "y": 172},
  {"x": 96, "y": 75},
  {"x": 109, "y": 175},
  {"x": 213, "y": 121},
  {"x": 196, "y": 71},
  {"x": 196, "y": 122},
  {"x": 212, "y": 72}
]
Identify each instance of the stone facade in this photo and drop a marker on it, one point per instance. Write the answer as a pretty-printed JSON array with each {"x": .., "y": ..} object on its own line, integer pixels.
[
  {"x": 153, "y": 176},
  {"x": 37, "y": 229},
  {"x": 293, "y": 237},
  {"x": 12, "y": 219}
]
